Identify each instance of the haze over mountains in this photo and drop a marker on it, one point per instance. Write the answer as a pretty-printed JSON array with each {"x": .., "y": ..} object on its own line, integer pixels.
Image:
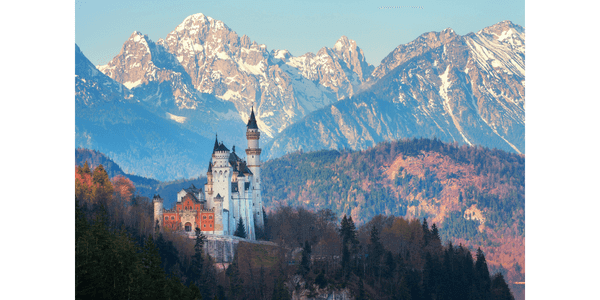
[{"x": 203, "y": 79}]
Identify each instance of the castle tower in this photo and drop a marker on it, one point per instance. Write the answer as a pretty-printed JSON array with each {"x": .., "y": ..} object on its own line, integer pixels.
[
  {"x": 222, "y": 173},
  {"x": 158, "y": 211},
  {"x": 208, "y": 187},
  {"x": 253, "y": 158}
]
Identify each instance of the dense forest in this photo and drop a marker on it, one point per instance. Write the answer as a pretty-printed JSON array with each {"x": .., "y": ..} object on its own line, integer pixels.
[
  {"x": 120, "y": 254},
  {"x": 475, "y": 195}
]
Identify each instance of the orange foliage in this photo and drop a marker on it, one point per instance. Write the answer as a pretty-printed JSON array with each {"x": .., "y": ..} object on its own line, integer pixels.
[{"x": 124, "y": 188}]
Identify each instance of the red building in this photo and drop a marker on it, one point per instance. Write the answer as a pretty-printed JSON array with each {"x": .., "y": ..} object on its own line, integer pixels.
[{"x": 189, "y": 213}]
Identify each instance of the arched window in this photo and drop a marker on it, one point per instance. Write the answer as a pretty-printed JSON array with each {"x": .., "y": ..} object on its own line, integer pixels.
[{"x": 188, "y": 227}]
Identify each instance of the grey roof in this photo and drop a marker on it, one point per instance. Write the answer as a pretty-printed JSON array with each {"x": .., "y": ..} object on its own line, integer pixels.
[
  {"x": 194, "y": 198},
  {"x": 233, "y": 158},
  {"x": 192, "y": 189},
  {"x": 221, "y": 148},
  {"x": 252, "y": 121}
]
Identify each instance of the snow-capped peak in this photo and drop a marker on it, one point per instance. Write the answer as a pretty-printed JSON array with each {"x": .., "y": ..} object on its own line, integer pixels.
[{"x": 341, "y": 43}]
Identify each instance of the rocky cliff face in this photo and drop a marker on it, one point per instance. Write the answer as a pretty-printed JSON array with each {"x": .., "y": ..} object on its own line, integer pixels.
[
  {"x": 469, "y": 89},
  {"x": 204, "y": 56}
]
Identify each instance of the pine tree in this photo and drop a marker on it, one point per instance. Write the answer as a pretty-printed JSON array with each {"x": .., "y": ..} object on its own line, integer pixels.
[
  {"x": 426, "y": 232},
  {"x": 197, "y": 267},
  {"x": 499, "y": 288},
  {"x": 153, "y": 280},
  {"x": 240, "y": 231},
  {"x": 86, "y": 168},
  {"x": 305, "y": 263},
  {"x": 482, "y": 277},
  {"x": 376, "y": 251}
]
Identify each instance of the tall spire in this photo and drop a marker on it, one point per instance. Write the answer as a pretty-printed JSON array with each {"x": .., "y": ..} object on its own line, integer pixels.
[
  {"x": 216, "y": 143},
  {"x": 252, "y": 121}
]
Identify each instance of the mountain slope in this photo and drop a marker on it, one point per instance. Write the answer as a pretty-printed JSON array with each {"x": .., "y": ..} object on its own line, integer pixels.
[
  {"x": 109, "y": 119},
  {"x": 468, "y": 89}
]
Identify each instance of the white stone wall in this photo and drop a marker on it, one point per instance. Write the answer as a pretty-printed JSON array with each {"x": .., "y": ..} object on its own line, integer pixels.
[{"x": 158, "y": 213}]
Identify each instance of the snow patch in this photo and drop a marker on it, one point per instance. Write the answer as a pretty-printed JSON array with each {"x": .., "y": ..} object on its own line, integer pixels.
[
  {"x": 230, "y": 95},
  {"x": 131, "y": 85},
  {"x": 505, "y": 34},
  {"x": 444, "y": 94},
  {"x": 175, "y": 118}
]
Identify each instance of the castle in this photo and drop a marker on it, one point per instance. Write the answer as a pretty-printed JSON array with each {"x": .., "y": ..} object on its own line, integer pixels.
[{"x": 232, "y": 191}]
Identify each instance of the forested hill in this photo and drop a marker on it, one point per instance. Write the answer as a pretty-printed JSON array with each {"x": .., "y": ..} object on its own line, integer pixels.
[
  {"x": 146, "y": 187},
  {"x": 475, "y": 195}
]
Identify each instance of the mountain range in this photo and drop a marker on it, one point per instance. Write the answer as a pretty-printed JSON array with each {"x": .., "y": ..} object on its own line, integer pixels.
[{"x": 156, "y": 105}]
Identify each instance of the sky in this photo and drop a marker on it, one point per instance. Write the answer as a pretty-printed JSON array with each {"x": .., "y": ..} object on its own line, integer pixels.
[{"x": 101, "y": 27}]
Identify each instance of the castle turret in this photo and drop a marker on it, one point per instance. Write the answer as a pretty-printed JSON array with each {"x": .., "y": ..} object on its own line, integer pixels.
[
  {"x": 158, "y": 211},
  {"x": 253, "y": 159},
  {"x": 208, "y": 186}
]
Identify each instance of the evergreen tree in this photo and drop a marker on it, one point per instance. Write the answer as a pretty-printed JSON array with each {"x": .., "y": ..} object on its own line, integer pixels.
[
  {"x": 435, "y": 235},
  {"x": 305, "y": 263},
  {"x": 376, "y": 252},
  {"x": 103, "y": 189},
  {"x": 197, "y": 266},
  {"x": 153, "y": 280},
  {"x": 499, "y": 288},
  {"x": 482, "y": 277},
  {"x": 86, "y": 168},
  {"x": 240, "y": 231},
  {"x": 426, "y": 232}
]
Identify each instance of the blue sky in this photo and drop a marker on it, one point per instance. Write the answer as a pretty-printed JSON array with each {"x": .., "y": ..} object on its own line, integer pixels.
[{"x": 101, "y": 27}]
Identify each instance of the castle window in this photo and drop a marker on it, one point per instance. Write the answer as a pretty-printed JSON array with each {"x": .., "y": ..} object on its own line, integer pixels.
[
  {"x": 188, "y": 227},
  {"x": 172, "y": 218},
  {"x": 210, "y": 217},
  {"x": 210, "y": 225},
  {"x": 204, "y": 226},
  {"x": 166, "y": 218},
  {"x": 204, "y": 217}
]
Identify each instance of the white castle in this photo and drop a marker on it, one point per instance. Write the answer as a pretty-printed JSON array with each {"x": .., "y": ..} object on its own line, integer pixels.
[{"x": 232, "y": 192}]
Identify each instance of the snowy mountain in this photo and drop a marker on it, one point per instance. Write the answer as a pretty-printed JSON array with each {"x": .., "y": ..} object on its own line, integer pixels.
[
  {"x": 469, "y": 89},
  {"x": 203, "y": 78},
  {"x": 204, "y": 56},
  {"x": 109, "y": 118}
]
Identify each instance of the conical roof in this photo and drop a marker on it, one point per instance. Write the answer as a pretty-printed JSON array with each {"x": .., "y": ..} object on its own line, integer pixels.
[
  {"x": 252, "y": 122},
  {"x": 216, "y": 143}
]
